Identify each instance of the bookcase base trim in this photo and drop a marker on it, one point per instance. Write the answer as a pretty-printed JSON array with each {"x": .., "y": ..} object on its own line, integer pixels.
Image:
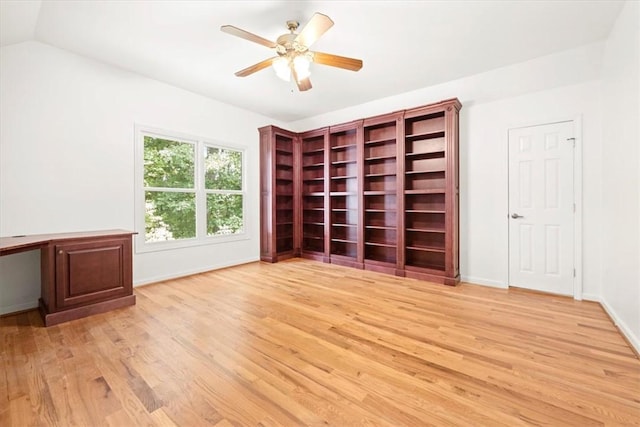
[
  {"x": 346, "y": 262},
  {"x": 444, "y": 280},
  {"x": 279, "y": 257},
  {"x": 379, "y": 268},
  {"x": 51, "y": 319},
  {"x": 314, "y": 256}
]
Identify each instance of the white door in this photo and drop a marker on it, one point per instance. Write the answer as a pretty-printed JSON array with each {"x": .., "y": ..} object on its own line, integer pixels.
[{"x": 541, "y": 208}]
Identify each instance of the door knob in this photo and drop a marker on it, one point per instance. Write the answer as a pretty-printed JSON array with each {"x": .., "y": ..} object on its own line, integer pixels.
[{"x": 516, "y": 216}]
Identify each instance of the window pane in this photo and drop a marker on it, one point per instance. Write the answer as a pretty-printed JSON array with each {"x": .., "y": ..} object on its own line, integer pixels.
[
  {"x": 168, "y": 164},
  {"x": 224, "y": 214},
  {"x": 223, "y": 169},
  {"x": 169, "y": 216}
]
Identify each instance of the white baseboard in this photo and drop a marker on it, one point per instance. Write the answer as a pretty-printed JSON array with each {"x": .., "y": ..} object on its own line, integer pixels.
[
  {"x": 18, "y": 307},
  {"x": 483, "y": 282},
  {"x": 34, "y": 304},
  {"x": 626, "y": 331},
  {"x": 155, "y": 279},
  {"x": 622, "y": 326},
  {"x": 591, "y": 297}
]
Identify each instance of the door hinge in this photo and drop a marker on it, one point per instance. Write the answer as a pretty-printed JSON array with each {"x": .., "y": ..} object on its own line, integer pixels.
[
  {"x": 574, "y": 272},
  {"x": 572, "y": 140},
  {"x": 574, "y": 208}
]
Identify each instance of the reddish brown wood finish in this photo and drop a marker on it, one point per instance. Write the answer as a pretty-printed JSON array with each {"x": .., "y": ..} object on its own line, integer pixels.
[
  {"x": 51, "y": 319},
  {"x": 314, "y": 222},
  {"x": 278, "y": 194},
  {"x": 267, "y": 160},
  {"x": 297, "y": 207},
  {"x": 431, "y": 170},
  {"x": 92, "y": 271},
  {"x": 391, "y": 193},
  {"x": 327, "y": 197},
  {"x": 383, "y": 183},
  {"x": 360, "y": 180},
  {"x": 14, "y": 244},
  {"x": 81, "y": 273},
  {"x": 345, "y": 173}
]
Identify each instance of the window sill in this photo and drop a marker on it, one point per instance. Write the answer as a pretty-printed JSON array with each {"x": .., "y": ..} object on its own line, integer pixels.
[{"x": 142, "y": 247}]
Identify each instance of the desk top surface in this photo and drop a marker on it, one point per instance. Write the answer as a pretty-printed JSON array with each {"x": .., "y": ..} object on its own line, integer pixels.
[{"x": 14, "y": 244}]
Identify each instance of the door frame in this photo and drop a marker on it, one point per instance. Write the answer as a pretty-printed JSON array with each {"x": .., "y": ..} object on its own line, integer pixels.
[{"x": 577, "y": 198}]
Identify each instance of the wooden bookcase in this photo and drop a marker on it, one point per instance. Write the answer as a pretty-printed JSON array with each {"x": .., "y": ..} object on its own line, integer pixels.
[
  {"x": 315, "y": 195},
  {"x": 379, "y": 193},
  {"x": 345, "y": 194},
  {"x": 382, "y": 192},
  {"x": 431, "y": 192},
  {"x": 279, "y": 175}
]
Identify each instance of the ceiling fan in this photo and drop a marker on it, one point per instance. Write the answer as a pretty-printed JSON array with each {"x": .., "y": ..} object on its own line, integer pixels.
[{"x": 294, "y": 56}]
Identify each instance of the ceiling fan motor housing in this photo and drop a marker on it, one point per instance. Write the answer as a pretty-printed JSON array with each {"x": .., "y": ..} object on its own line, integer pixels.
[{"x": 287, "y": 43}]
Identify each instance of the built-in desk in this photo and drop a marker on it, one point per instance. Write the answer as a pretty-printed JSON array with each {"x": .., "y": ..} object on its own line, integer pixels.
[{"x": 81, "y": 273}]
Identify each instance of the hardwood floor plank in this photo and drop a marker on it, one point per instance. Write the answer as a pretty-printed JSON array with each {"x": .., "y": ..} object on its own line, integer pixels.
[
  {"x": 307, "y": 343},
  {"x": 41, "y": 398},
  {"x": 120, "y": 418},
  {"x": 161, "y": 418}
]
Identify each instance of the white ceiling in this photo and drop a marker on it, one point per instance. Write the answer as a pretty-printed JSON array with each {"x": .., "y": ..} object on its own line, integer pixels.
[{"x": 405, "y": 45}]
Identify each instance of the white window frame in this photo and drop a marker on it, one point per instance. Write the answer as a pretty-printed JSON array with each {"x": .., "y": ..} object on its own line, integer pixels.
[{"x": 200, "y": 145}]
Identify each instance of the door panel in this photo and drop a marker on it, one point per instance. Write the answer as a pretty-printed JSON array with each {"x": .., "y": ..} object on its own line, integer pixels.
[
  {"x": 541, "y": 208},
  {"x": 92, "y": 271},
  {"x": 526, "y": 249}
]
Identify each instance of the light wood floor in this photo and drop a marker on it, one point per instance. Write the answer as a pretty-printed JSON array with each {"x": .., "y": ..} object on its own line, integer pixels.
[{"x": 305, "y": 343}]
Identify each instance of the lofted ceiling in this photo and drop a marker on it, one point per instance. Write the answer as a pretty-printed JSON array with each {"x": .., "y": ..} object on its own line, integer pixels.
[{"x": 405, "y": 45}]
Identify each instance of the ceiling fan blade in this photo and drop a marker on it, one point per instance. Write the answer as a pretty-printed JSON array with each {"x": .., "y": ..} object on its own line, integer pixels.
[
  {"x": 256, "y": 67},
  {"x": 316, "y": 27},
  {"x": 304, "y": 84},
  {"x": 235, "y": 31},
  {"x": 337, "y": 61}
]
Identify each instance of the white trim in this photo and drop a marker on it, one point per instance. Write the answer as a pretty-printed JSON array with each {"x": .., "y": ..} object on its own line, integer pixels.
[
  {"x": 156, "y": 279},
  {"x": 617, "y": 320},
  {"x": 483, "y": 282},
  {"x": 18, "y": 307},
  {"x": 626, "y": 330},
  {"x": 190, "y": 243},
  {"x": 171, "y": 190},
  {"x": 554, "y": 121},
  {"x": 591, "y": 297},
  {"x": 577, "y": 217},
  {"x": 140, "y": 246},
  {"x": 577, "y": 198}
]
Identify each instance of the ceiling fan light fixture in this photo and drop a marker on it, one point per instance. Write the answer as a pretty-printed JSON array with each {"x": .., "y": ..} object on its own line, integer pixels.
[
  {"x": 282, "y": 68},
  {"x": 285, "y": 65},
  {"x": 301, "y": 64}
]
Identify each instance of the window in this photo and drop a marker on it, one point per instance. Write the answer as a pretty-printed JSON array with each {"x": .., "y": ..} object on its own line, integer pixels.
[
  {"x": 190, "y": 191},
  {"x": 223, "y": 185}
]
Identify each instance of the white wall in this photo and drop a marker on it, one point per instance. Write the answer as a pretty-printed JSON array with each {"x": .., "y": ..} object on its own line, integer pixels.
[
  {"x": 556, "y": 87},
  {"x": 19, "y": 281},
  {"x": 484, "y": 175},
  {"x": 621, "y": 178},
  {"x": 67, "y": 158}
]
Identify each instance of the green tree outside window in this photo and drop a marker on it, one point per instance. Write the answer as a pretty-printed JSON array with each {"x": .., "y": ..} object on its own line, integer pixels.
[{"x": 171, "y": 193}]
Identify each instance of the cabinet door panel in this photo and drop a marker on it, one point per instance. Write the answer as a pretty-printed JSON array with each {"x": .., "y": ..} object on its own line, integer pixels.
[{"x": 92, "y": 271}]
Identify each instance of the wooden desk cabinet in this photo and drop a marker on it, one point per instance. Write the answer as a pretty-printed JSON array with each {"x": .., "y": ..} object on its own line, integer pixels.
[{"x": 81, "y": 273}]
